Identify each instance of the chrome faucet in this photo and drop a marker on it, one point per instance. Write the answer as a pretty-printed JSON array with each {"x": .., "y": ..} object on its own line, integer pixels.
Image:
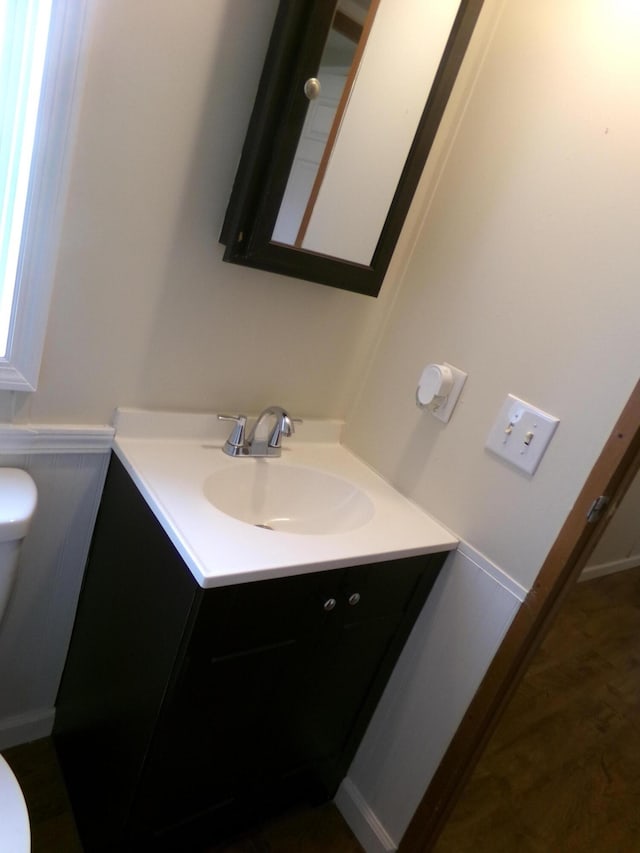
[{"x": 265, "y": 436}]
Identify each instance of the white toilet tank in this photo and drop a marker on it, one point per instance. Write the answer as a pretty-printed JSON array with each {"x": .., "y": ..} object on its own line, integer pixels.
[{"x": 18, "y": 498}]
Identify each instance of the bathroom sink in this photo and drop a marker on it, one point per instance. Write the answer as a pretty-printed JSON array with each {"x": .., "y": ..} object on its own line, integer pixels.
[
  {"x": 326, "y": 507},
  {"x": 288, "y": 498}
]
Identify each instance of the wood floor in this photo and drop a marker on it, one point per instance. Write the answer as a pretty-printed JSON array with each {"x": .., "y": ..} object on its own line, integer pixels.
[
  {"x": 320, "y": 830},
  {"x": 562, "y": 771}
]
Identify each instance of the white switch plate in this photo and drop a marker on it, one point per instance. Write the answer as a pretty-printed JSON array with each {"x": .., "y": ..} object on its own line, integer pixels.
[{"x": 521, "y": 434}]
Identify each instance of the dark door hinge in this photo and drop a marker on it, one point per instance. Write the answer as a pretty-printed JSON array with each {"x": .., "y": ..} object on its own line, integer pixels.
[{"x": 597, "y": 508}]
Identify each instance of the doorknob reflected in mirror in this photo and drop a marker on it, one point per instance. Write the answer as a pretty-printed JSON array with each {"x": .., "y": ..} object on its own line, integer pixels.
[
  {"x": 328, "y": 172},
  {"x": 310, "y": 173},
  {"x": 312, "y": 88}
]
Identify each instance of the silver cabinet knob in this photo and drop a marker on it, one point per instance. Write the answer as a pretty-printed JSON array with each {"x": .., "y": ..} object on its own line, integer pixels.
[
  {"x": 312, "y": 88},
  {"x": 354, "y": 599},
  {"x": 330, "y": 603}
]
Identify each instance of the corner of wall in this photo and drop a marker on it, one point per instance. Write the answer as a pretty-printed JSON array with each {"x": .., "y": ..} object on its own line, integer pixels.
[{"x": 448, "y": 652}]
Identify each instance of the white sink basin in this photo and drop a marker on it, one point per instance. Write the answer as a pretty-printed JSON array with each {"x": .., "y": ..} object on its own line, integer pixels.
[
  {"x": 288, "y": 498},
  {"x": 210, "y": 505}
]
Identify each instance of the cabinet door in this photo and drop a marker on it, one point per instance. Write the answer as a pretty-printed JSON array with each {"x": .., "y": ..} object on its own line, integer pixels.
[
  {"x": 221, "y": 736},
  {"x": 349, "y": 666},
  {"x": 278, "y": 684}
]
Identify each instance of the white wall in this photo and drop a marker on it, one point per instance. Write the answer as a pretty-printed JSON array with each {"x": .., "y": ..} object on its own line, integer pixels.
[
  {"x": 525, "y": 275},
  {"x": 144, "y": 311}
]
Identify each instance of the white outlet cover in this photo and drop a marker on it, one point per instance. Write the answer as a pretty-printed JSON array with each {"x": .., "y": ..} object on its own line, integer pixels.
[{"x": 521, "y": 434}]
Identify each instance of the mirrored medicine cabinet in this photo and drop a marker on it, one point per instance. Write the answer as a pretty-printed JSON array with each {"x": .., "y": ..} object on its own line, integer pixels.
[{"x": 348, "y": 105}]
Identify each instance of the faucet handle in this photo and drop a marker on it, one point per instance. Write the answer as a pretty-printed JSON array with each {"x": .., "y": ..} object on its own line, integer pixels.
[{"x": 236, "y": 439}]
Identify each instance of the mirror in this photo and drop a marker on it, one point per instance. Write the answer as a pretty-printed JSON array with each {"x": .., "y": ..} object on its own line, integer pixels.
[
  {"x": 327, "y": 94},
  {"x": 348, "y": 105}
]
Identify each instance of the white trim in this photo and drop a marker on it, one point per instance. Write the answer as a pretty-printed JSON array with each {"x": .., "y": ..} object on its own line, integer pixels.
[
  {"x": 362, "y": 821},
  {"x": 495, "y": 572},
  {"x": 40, "y": 438},
  {"x": 57, "y": 120},
  {"x": 591, "y": 572},
  {"x": 26, "y": 727}
]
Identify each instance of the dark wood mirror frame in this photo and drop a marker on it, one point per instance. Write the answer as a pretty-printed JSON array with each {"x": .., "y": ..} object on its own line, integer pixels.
[{"x": 295, "y": 49}]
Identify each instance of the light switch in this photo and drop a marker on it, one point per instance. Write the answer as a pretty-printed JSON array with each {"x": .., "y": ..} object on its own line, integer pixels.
[{"x": 521, "y": 434}]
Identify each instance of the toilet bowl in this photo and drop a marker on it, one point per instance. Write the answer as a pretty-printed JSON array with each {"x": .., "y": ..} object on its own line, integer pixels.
[
  {"x": 18, "y": 497},
  {"x": 15, "y": 836}
]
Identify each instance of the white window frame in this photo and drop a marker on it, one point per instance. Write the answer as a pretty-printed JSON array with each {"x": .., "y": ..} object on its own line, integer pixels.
[{"x": 48, "y": 184}]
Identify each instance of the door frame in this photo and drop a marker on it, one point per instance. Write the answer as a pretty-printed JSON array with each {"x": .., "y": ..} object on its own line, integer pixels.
[{"x": 611, "y": 476}]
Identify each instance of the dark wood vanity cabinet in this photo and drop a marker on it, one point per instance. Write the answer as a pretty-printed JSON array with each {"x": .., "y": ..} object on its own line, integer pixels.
[{"x": 184, "y": 713}]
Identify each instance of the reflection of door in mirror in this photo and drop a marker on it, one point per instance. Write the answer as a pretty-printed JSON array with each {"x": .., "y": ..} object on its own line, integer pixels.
[
  {"x": 337, "y": 71},
  {"x": 309, "y": 153},
  {"x": 342, "y": 204}
]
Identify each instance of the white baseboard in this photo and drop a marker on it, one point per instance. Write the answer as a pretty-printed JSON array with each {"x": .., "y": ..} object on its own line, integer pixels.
[
  {"x": 26, "y": 727},
  {"x": 591, "y": 572},
  {"x": 362, "y": 821}
]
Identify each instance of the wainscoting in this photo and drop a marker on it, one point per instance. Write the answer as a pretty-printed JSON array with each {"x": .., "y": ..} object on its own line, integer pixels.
[
  {"x": 68, "y": 465},
  {"x": 448, "y": 652}
]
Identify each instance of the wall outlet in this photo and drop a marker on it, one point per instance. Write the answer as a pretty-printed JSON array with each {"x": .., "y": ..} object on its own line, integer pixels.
[
  {"x": 521, "y": 434},
  {"x": 444, "y": 411}
]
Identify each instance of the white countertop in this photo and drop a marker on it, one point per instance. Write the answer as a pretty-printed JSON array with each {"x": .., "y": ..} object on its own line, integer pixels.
[{"x": 169, "y": 456}]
